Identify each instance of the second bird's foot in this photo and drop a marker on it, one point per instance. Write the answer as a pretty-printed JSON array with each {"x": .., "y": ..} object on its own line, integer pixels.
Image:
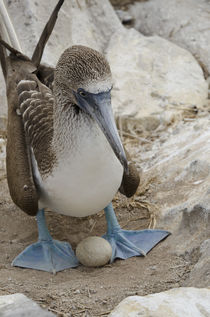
[
  {"x": 126, "y": 244},
  {"x": 50, "y": 255}
]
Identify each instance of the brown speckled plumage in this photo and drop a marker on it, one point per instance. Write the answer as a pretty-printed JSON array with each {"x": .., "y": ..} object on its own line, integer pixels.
[
  {"x": 84, "y": 64},
  {"x": 32, "y": 110},
  {"x": 17, "y": 67},
  {"x": 19, "y": 167},
  {"x": 36, "y": 108}
]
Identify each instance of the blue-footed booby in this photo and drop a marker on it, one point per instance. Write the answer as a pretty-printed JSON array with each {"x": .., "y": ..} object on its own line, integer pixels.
[{"x": 64, "y": 151}]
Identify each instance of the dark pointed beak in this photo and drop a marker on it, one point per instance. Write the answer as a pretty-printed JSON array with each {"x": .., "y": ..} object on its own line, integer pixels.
[{"x": 98, "y": 106}]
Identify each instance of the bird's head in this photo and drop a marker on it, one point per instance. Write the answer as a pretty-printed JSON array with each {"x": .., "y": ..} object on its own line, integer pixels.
[{"x": 83, "y": 77}]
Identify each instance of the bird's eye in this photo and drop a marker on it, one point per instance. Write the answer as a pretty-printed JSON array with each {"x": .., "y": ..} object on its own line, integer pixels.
[{"x": 82, "y": 93}]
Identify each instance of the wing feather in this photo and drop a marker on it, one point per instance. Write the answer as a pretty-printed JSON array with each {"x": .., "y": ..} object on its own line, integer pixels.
[{"x": 36, "y": 107}]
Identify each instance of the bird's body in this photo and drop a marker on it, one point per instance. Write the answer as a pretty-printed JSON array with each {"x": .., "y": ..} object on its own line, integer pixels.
[
  {"x": 86, "y": 173},
  {"x": 64, "y": 151},
  {"x": 78, "y": 173}
]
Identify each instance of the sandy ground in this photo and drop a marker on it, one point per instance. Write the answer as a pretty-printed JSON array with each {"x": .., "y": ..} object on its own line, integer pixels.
[{"x": 84, "y": 291}]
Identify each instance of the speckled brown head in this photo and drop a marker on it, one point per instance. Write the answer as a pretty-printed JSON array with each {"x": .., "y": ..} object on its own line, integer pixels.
[{"x": 82, "y": 67}]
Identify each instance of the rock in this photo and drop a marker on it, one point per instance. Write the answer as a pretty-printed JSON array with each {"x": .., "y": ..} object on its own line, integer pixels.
[
  {"x": 153, "y": 76},
  {"x": 185, "y": 23},
  {"x": 3, "y": 124},
  {"x": 2, "y": 154},
  {"x": 177, "y": 302},
  {"x": 124, "y": 16},
  {"x": 89, "y": 24},
  {"x": 178, "y": 161},
  {"x": 19, "y": 305},
  {"x": 3, "y": 99},
  {"x": 200, "y": 274},
  {"x": 176, "y": 170},
  {"x": 94, "y": 251}
]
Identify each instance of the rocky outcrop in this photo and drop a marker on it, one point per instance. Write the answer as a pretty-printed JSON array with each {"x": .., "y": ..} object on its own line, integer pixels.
[
  {"x": 200, "y": 274},
  {"x": 177, "y": 302},
  {"x": 185, "y": 23},
  {"x": 178, "y": 161},
  {"x": 19, "y": 305},
  {"x": 176, "y": 168},
  {"x": 79, "y": 22},
  {"x": 151, "y": 75}
]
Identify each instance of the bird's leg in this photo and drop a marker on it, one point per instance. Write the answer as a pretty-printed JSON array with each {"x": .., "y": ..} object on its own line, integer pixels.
[
  {"x": 46, "y": 254},
  {"x": 128, "y": 243}
]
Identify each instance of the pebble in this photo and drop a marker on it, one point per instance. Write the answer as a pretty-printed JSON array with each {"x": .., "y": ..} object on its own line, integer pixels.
[{"x": 94, "y": 251}]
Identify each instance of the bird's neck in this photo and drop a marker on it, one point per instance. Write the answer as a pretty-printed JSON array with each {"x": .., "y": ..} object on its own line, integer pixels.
[{"x": 70, "y": 124}]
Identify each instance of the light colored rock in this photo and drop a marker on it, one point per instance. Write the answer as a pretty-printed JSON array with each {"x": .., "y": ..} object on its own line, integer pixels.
[
  {"x": 152, "y": 75},
  {"x": 200, "y": 274},
  {"x": 186, "y": 23},
  {"x": 94, "y": 251},
  {"x": 19, "y": 305},
  {"x": 79, "y": 22},
  {"x": 176, "y": 173},
  {"x": 3, "y": 100},
  {"x": 124, "y": 16},
  {"x": 2, "y": 154},
  {"x": 177, "y": 302},
  {"x": 179, "y": 162}
]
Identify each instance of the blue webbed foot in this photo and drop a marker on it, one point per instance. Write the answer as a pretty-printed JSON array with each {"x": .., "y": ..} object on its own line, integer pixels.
[
  {"x": 51, "y": 256},
  {"x": 46, "y": 254},
  {"x": 125, "y": 243}
]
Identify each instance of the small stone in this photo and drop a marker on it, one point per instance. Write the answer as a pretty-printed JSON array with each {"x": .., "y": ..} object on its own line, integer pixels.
[
  {"x": 124, "y": 17},
  {"x": 94, "y": 251},
  {"x": 77, "y": 291}
]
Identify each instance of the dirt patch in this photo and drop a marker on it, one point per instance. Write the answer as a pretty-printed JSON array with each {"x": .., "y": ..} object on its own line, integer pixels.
[{"x": 84, "y": 291}]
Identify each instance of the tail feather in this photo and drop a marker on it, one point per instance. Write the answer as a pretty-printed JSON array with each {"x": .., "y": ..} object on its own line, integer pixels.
[
  {"x": 12, "y": 49},
  {"x": 3, "y": 60},
  {"x": 37, "y": 55}
]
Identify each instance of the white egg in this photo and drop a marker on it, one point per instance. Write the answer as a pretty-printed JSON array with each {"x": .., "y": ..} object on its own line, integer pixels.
[{"x": 94, "y": 251}]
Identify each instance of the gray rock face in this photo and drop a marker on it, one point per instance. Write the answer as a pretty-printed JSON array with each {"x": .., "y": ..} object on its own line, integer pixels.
[
  {"x": 19, "y": 305},
  {"x": 79, "y": 22},
  {"x": 3, "y": 99},
  {"x": 150, "y": 75},
  {"x": 186, "y": 23},
  {"x": 200, "y": 274},
  {"x": 179, "y": 161},
  {"x": 185, "y": 145},
  {"x": 177, "y": 166},
  {"x": 177, "y": 302}
]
